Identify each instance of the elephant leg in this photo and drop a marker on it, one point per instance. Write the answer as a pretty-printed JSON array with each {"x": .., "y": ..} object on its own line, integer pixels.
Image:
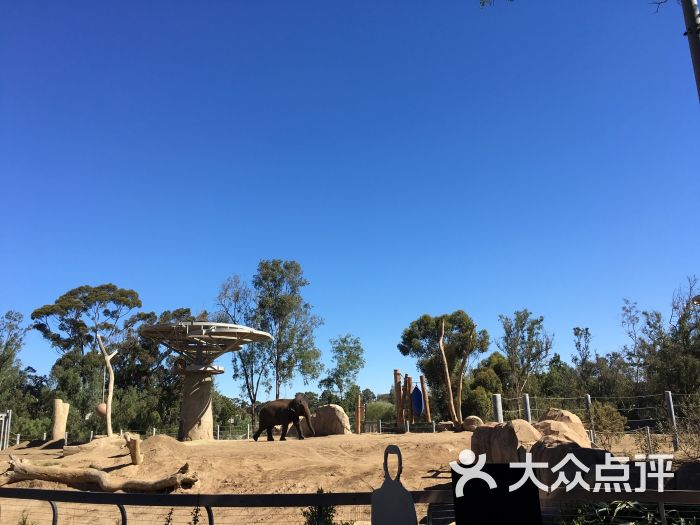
[
  {"x": 285, "y": 426},
  {"x": 257, "y": 434},
  {"x": 298, "y": 427},
  {"x": 269, "y": 434}
]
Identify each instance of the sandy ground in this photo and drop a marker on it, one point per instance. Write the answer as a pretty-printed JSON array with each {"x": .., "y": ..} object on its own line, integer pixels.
[{"x": 350, "y": 463}]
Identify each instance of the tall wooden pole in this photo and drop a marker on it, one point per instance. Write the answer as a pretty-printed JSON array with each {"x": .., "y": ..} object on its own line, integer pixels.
[
  {"x": 406, "y": 400},
  {"x": 399, "y": 398},
  {"x": 691, "y": 14},
  {"x": 409, "y": 390},
  {"x": 426, "y": 399},
  {"x": 110, "y": 388},
  {"x": 358, "y": 415}
]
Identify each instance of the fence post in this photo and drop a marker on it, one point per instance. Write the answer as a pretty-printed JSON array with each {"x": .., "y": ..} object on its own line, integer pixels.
[
  {"x": 9, "y": 428},
  {"x": 218, "y": 434},
  {"x": 17, "y": 439},
  {"x": 380, "y": 426},
  {"x": 526, "y": 405},
  {"x": 672, "y": 418},
  {"x": 358, "y": 414},
  {"x": 44, "y": 436},
  {"x": 589, "y": 409},
  {"x": 497, "y": 407},
  {"x": 65, "y": 438},
  {"x": 650, "y": 446},
  {"x": 92, "y": 433},
  {"x": 248, "y": 430},
  {"x": 408, "y": 426},
  {"x": 434, "y": 427}
]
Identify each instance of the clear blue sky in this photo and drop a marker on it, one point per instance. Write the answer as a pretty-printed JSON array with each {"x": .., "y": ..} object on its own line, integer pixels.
[{"x": 414, "y": 157}]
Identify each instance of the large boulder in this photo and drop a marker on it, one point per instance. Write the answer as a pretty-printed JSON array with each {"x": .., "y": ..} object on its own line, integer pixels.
[
  {"x": 292, "y": 432},
  {"x": 562, "y": 431},
  {"x": 330, "y": 420},
  {"x": 471, "y": 423},
  {"x": 551, "y": 450},
  {"x": 571, "y": 420},
  {"x": 504, "y": 442},
  {"x": 442, "y": 426}
]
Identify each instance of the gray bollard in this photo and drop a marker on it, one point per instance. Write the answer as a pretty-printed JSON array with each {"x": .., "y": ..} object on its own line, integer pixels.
[
  {"x": 589, "y": 410},
  {"x": 497, "y": 408},
  {"x": 526, "y": 406}
]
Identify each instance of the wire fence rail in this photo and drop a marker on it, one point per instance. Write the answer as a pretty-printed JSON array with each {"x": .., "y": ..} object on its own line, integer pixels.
[{"x": 436, "y": 506}]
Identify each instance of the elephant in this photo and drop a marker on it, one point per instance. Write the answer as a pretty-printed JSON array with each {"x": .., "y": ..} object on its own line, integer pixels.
[{"x": 282, "y": 412}]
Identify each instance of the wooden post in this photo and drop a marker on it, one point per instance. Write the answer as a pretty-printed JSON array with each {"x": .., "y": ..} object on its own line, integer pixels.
[
  {"x": 672, "y": 418},
  {"x": 110, "y": 388},
  {"x": 399, "y": 399},
  {"x": 408, "y": 409},
  {"x": 412, "y": 416},
  {"x": 60, "y": 418},
  {"x": 426, "y": 399},
  {"x": 358, "y": 414}
]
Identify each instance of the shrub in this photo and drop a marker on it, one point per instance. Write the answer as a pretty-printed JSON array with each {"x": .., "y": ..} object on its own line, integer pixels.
[
  {"x": 379, "y": 410},
  {"x": 609, "y": 424},
  {"x": 477, "y": 402}
]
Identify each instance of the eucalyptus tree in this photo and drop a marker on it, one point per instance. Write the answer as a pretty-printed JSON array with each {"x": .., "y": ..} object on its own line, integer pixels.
[
  {"x": 444, "y": 346},
  {"x": 282, "y": 311}
]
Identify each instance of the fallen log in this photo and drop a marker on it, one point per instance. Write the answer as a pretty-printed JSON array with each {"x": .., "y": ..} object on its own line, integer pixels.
[{"x": 22, "y": 470}]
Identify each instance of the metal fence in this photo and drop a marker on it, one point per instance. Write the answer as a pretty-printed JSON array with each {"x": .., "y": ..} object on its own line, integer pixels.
[
  {"x": 434, "y": 507},
  {"x": 74, "y": 507}
]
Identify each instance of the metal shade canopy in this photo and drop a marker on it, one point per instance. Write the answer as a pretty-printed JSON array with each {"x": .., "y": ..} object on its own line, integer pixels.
[{"x": 201, "y": 342}]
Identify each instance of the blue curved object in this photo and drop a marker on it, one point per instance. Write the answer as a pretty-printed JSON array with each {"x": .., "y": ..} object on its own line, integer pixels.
[{"x": 417, "y": 401}]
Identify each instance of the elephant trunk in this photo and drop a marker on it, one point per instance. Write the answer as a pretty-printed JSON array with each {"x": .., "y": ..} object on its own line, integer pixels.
[{"x": 308, "y": 420}]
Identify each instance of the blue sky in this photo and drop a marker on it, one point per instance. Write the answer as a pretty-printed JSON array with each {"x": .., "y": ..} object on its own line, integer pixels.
[{"x": 414, "y": 157}]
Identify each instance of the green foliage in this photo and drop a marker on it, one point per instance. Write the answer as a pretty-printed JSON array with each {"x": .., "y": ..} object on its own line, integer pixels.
[
  {"x": 322, "y": 515},
  {"x": 461, "y": 342},
  {"x": 196, "y": 516},
  {"x": 76, "y": 317},
  {"x": 368, "y": 396},
  {"x": 609, "y": 424},
  {"x": 169, "y": 517},
  {"x": 626, "y": 513},
  {"x": 284, "y": 314},
  {"x": 377, "y": 410},
  {"x": 24, "y": 520},
  {"x": 487, "y": 380},
  {"x": 477, "y": 402},
  {"x": 526, "y": 346},
  {"x": 560, "y": 379},
  {"x": 348, "y": 357}
]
